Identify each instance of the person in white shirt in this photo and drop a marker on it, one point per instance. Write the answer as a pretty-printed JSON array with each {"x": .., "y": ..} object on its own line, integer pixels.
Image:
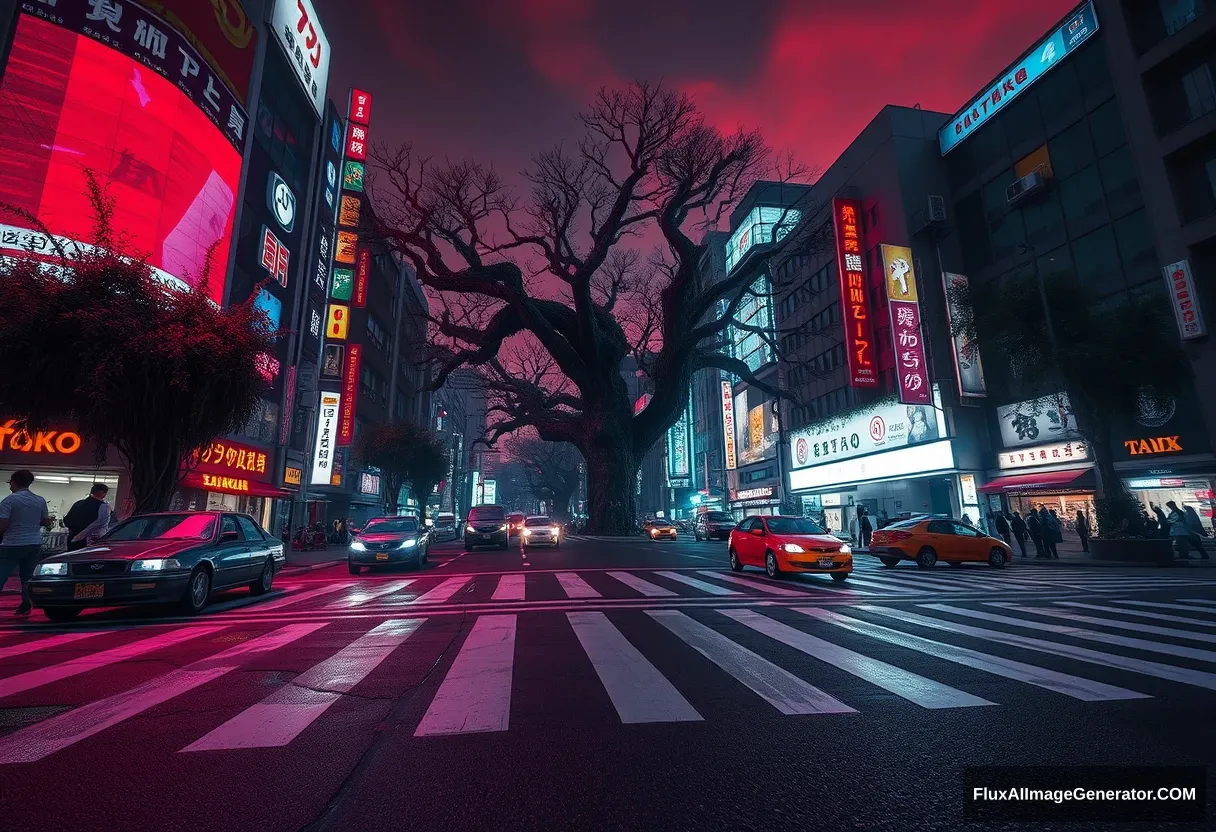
[{"x": 23, "y": 515}]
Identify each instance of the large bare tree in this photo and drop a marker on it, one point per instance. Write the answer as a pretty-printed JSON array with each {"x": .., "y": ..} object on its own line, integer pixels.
[
  {"x": 551, "y": 469},
  {"x": 559, "y": 272}
]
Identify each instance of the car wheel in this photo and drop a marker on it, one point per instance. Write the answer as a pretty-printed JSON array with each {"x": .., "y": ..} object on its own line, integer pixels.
[
  {"x": 889, "y": 561},
  {"x": 840, "y": 577},
  {"x": 353, "y": 569},
  {"x": 262, "y": 585},
  {"x": 997, "y": 558},
  {"x": 736, "y": 565},
  {"x": 62, "y": 613},
  {"x": 198, "y": 591},
  {"x": 771, "y": 567},
  {"x": 926, "y": 558}
]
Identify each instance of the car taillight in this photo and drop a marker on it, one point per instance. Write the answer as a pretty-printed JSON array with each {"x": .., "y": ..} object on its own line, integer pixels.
[{"x": 891, "y": 537}]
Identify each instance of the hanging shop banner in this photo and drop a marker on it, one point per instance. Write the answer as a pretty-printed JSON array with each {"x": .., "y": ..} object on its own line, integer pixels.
[
  {"x": 348, "y": 243},
  {"x": 1057, "y": 453},
  {"x": 348, "y": 212},
  {"x": 1161, "y": 426},
  {"x": 356, "y": 142},
  {"x": 343, "y": 284},
  {"x": 854, "y": 297},
  {"x": 1031, "y": 422},
  {"x": 968, "y": 369},
  {"x": 1185, "y": 301},
  {"x": 327, "y": 426},
  {"x": 360, "y": 110},
  {"x": 884, "y": 426},
  {"x": 350, "y": 392},
  {"x": 333, "y": 358},
  {"x": 339, "y": 321},
  {"x": 728, "y": 425},
  {"x": 298, "y": 30},
  {"x": 352, "y": 177},
  {"x": 907, "y": 337}
]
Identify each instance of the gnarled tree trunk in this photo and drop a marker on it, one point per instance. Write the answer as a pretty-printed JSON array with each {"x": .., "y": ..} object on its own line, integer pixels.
[
  {"x": 612, "y": 475},
  {"x": 156, "y": 471}
]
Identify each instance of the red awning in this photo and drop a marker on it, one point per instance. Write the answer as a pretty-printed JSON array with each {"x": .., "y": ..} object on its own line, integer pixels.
[
  {"x": 232, "y": 485},
  {"x": 1075, "y": 479}
]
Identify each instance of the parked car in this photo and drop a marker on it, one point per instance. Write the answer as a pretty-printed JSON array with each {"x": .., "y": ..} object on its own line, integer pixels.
[
  {"x": 713, "y": 525},
  {"x": 788, "y": 544},
  {"x": 515, "y": 524},
  {"x": 541, "y": 530},
  {"x": 487, "y": 526},
  {"x": 927, "y": 540},
  {"x": 388, "y": 541},
  {"x": 172, "y": 557},
  {"x": 659, "y": 530}
]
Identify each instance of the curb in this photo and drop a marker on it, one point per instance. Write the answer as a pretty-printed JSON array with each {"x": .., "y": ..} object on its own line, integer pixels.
[{"x": 289, "y": 569}]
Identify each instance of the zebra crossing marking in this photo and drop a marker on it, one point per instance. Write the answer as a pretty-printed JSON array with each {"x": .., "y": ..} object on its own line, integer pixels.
[
  {"x": 642, "y": 585},
  {"x": 42, "y": 644},
  {"x": 361, "y": 596},
  {"x": 510, "y": 588},
  {"x": 755, "y": 585},
  {"x": 42, "y": 739},
  {"x": 1158, "y": 616},
  {"x": 1172, "y": 632},
  {"x": 475, "y": 695},
  {"x": 696, "y": 583},
  {"x": 306, "y": 595},
  {"x": 436, "y": 595},
  {"x": 283, "y": 715},
  {"x": 574, "y": 586}
]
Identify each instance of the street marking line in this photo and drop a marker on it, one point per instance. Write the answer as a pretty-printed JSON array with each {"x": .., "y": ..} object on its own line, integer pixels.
[
  {"x": 92, "y": 661},
  {"x": 1198, "y": 678},
  {"x": 754, "y": 585},
  {"x": 870, "y": 586},
  {"x": 945, "y": 584},
  {"x": 639, "y": 585},
  {"x": 510, "y": 588},
  {"x": 283, "y": 715},
  {"x": 783, "y": 690},
  {"x": 475, "y": 696},
  {"x": 639, "y": 692},
  {"x": 361, "y": 596},
  {"x": 574, "y": 586},
  {"x": 59, "y": 732},
  {"x": 1135, "y": 626},
  {"x": 1080, "y": 633},
  {"x": 1161, "y": 606},
  {"x": 438, "y": 594},
  {"x": 1076, "y": 687},
  {"x": 1197, "y": 601},
  {"x": 1158, "y": 616},
  {"x": 695, "y": 583},
  {"x": 307, "y": 595},
  {"x": 903, "y": 683},
  {"x": 43, "y": 644}
]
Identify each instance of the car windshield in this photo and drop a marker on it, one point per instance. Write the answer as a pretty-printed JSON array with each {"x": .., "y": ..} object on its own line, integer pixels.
[
  {"x": 487, "y": 515},
  {"x": 397, "y": 524},
  {"x": 719, "y": 517},
  {"x": 538, "y": 521},
  {"x": 794, "y": 525},
  {"x": 165, "y": 527},
  {"x": 906, "y": 524}
]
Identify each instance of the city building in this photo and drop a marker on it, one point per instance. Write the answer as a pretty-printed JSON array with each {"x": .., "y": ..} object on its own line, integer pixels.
[
  {"x": 707, "y": 445},
  {"x": 1094, "y": 154},
  {"x": 460, "y": 407}
]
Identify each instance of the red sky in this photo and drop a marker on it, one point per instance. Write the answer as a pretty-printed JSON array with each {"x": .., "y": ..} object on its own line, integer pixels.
[{"x": 501, "y": 79}]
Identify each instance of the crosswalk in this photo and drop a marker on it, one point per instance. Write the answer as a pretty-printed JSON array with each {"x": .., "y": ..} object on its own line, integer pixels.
[{"x": 658, "y": 665}]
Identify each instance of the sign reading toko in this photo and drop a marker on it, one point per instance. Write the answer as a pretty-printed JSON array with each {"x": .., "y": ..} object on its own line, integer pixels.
[{"x": 1033, "y": 65}]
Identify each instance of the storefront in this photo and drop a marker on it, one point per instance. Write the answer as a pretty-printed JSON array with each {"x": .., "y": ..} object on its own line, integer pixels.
[
  {"x": 65, "y": 468},
  {"x": 747, "y": 502},
  {"x": 232, "y": 476},
  {"x": 892, "y": 459}
]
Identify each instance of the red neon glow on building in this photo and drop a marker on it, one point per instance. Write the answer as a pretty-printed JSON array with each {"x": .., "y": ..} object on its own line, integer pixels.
[
  {"x": 854, "y": 294},
  {"x": 67, "y": 104}
]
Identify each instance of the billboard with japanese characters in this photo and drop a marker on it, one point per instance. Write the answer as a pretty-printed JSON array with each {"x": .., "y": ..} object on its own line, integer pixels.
[
  {"x": 113, "y": 90},
  {"x": 907, "y": 335},
  {"x": 856, "y": 314}
]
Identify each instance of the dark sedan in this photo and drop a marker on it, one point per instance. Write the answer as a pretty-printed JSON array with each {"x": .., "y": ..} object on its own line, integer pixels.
[
  {"x": 174, "y": 557},
  {"x": 388, "y": 541}
]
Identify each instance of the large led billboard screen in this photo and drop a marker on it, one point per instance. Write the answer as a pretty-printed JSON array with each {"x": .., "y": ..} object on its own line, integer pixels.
[{"x": 164, "y": 147}]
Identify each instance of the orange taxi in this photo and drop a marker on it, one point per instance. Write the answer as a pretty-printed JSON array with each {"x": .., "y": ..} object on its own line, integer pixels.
[
  {"x": 788, "y": 544},
  {"x": 927, "y": 540}
]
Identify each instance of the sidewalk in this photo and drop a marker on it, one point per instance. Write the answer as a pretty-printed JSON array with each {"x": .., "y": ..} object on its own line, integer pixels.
[{"x": 316, "y": 558}]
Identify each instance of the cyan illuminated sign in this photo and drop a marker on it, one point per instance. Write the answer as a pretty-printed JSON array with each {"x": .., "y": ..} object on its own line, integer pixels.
[{"x": 1022, "y": 75}]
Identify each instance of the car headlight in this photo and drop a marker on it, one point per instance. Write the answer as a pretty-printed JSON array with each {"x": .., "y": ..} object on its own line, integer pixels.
[
  {"x": 409, "y": 543},
  {"x": 792, "y": 548},
  {"x": 52, "y": 569},
  {"x": 469, "y": 529},
  {"x": 556, "y": 531},
  {"x": 357, "y": 546},
  {"x": 503, "y": 527},
  {"x": 527, "y": 532},
  {"x": 846, "y": 549},
  {"x": 155, "y": 565}
]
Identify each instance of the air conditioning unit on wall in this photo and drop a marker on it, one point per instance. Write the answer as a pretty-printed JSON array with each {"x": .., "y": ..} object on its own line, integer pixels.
[
  {"x": 937, "y": 208},
  {"x": 1025, "y": 187}
]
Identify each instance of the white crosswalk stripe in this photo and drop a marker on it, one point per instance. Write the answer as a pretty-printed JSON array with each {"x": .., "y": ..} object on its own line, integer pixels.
[
  {"x": 757, "y": 586},
  {"x": 439, "y": 594},
  {"x": 1172, "y": 632},
  {"x": 574, "y": 586},
  {"x": 696, "y": 583},
  {"x": 360, "y": 596},
  {"x": 475, "y": 696},
  {"x": 641, "y": 585},
  {"x": 1158, "y": 616},
  {"x": 510, "y": 588}
]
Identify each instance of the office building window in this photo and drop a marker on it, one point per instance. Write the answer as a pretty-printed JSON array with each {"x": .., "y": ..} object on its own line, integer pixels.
[
  {"x": 1106, "y": 125},
  {"x": 1081, "y": 196},
  {"x": 1199, "y": 90},
  {"x": 1071, "y": 150},
  {"x": 1119, "y": 177},
  {"x": 1136, "y": 248},
  {"x": 1178, "y": 14},
  {"x": 1097, "y": 261},
  {"x": 1042, "y": 217}
]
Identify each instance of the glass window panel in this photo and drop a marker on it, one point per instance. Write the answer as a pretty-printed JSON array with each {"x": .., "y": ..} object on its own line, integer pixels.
[
  {"x": 995, "y": 204},
  {"x": 1023, "y": 123},
  {"x": 1106, "y": 126},
  {"x": 1119, "y": 175},
  {"x": 1071, "y": 150},
  {"x": 1092, "y": 70},
  {"x": 1081, "y": 195},
  {"x": 1060, "y": 90},
  {"x": 1096, "y": 259},
  {"x": 1136, "y": 248},
  {"x": 1042, "y": 217},
  {"x": 989, "y": 144},
  {"x": 1007, "y": 235}
]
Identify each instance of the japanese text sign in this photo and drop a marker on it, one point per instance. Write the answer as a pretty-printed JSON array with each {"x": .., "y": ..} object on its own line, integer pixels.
[
  {"x": 275, "y": 256},
  {"x": 352, "y": 176},
  {"x": 348, "y": 212},
  {"x": 356, "y": 142},
  {"x": 350, "y": 391},
  {"x": 907, "y": 338},
  {"x": 1054, "y": 454},
  {"x": 728, "y": 425},
  {"x": 1185, "y": 301},
  {"x": 854, "y": 297},
  {"x": 324, "y": 451},
  {"x": 228, "y": 457},
  {"x": 348, "y": 242},
  {"x": 360, "y": 107},
  {"x": 339, "y": 322},
  {"x": 297, "y": 28},
  {"x": 363, "y": 261}
]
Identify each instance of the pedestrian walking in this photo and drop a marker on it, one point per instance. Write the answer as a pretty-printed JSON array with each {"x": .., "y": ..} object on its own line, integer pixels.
[
  {"x": 854, "y": 527},
  {"x": 88, "y": 518},
  {"x": 1196, "y": 528},
  {"x": 1035, "y": 528},
  {"x": 1018, "y": 526},
  {"x": 1001, "y": 524},
  {"x": 1163, "y": 522},
  {"x": 1083, "y": 530},
  {"x": 23, "y": 515},
  {"x": 867, "y": 529},
  {"x": 1180, "y": 532},
  {"x": 1051, "y": 531}
]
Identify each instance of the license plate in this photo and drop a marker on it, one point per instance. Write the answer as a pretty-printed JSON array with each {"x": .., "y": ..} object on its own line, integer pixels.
[
  {"x": 382, "y": 556},
  {"x": 826, "y": 563},
  {"x": 89, "y": 591}
]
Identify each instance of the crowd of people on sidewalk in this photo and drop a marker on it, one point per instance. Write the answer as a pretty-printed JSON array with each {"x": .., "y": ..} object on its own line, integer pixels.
[{"x": 1044, "y": 529}]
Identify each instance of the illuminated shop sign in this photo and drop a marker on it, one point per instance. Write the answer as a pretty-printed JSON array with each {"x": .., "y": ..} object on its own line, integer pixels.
[
  {"x": 1021, "y": 76},
  {"x": 1153, "y": 446},
  {"x": 1184, "y": 300},
  {"x": 677, "y": 447},
  {"x": 881, "y": 427},
  {"x": 728, "y": 425},
  {"x": 40, "y": 442},
  {"x": 363, "y": 267},
  {"x": 352, "y": 176},
  {"x": 1030, "y": 422},
  {"x": 292, "y": 475},
  {"x": 325, "y": 449},
  {"x": 350, "y": 392},
  {"x": 968, "y": 369},
  {"x": 753, "y": 494},
  {"x": 275, "y": 256},
  {"x": 221, "y": 30},
  {"x": 854, "y": 295},
  {"x": 339, "y": 321},
  {"x": 356, "y": 142},
  {"x": 764, "y": 224},
  {"x": 907, "y": 337},
  {"x": 297, "y": 28},
  {"x": 369, "y": 484},
  {"x": 348, "y": 244},
  {"x": 360, "y": 110},
  {"x": 223, "y": 457},
  {"x": 1054, "y": 454},
  {"x": 215, "y": 482},
  {"x": 916, "y": 460}
]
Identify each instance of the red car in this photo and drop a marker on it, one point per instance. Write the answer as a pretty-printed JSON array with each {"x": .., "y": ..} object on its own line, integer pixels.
[{"x": 788, "y": 544}]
